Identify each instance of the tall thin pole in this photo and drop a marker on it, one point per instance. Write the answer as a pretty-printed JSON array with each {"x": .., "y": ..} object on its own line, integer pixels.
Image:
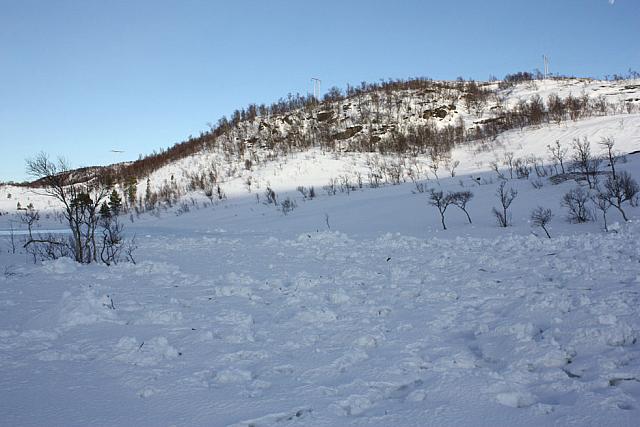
[
  {"x": 316, "y": 88},
  {"x": 545, "y": 58}
]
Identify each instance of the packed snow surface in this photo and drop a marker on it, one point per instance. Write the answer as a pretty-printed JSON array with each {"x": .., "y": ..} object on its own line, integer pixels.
[{"x": 323, "y": 329}]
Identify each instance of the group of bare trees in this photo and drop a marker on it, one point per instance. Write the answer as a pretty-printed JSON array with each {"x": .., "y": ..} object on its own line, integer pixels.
[
  {"x": 603, "y": 189},
  {"x": 89, "y": 209},
  {"x": 616, "y": 189},
  {"x": 442, "y": 201}
]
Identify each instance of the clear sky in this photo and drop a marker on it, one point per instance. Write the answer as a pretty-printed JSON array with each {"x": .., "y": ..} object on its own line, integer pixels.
[{"x": 80, "y": 78}]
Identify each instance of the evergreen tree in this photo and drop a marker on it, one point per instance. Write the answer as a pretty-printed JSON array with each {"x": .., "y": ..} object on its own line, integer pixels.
[
  {"x": 105, "y": 212},
  {"x": 147, "y": 195},
  {"x": 115, "y": 202},
  {"x": 131, "y": 189}
]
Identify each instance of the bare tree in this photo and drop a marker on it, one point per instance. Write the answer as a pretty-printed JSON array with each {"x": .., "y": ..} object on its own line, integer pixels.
[
  {"x": 30, "y": 218},
  {"x": 585, "y": 161},
  {"x": 496, "y": 168},
  {"x": 603, "y": 204},
  {"x": 576, "y": 201},
  {"x": 441, "y": 202},
  {"x": 558, "y": 154},
  {"x": 540, "y": 217},
  {"x": 460, "y": 199},
  {"x": 608, "y": 144},
  {"x": 112, "y": 239},
  {"x": 620, "y": 189},
  {"x": 508, "y": 161},
  {"x": 506, "y": 197},
  {"x": 80, "y": 202},
  {"x": 451, "y": 167},
  {"x": 12, "y": 237},
  {"x": 270, "y": 196}
]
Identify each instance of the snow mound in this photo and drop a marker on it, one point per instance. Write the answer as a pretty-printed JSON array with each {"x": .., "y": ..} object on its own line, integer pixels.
[
  {"x": 86, "y": 308},
  {"x": 60, "y": 266},
  {"x": 516, "y": 399}
]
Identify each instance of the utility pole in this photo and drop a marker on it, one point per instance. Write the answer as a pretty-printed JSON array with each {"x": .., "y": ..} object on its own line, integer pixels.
[
  {"x": 545, "y": 58},
  {"x": 316, "y": 88}
]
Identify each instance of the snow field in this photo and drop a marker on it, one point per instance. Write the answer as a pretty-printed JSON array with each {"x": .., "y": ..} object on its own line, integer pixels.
[{"x": 324, "y": 329}]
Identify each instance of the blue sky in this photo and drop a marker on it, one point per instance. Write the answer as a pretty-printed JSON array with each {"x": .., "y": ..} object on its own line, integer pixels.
[{"x": 79, "y": 78}]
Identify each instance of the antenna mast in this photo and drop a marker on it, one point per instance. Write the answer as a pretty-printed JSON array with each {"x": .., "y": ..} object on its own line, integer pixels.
[
  {"x": 545, "y": 58},
  {"x": 316, "y": 88}
]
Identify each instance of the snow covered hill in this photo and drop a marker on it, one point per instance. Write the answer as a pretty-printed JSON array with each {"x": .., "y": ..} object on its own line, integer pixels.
[
  {"x": 352, "y": 307},
  {"x": 341, "y": 138}
]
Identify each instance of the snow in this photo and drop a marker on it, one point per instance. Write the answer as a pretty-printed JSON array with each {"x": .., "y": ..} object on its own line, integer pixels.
[
  {"x": 354, "y": 309},
  {"x": 463, "y": 328}
]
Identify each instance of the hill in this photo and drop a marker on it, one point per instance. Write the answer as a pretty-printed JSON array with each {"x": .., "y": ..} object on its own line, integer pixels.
[{"x": 403, "y": 128}]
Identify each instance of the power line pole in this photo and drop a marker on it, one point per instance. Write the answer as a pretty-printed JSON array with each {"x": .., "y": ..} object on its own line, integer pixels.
[{"x": 316, "y": 88}]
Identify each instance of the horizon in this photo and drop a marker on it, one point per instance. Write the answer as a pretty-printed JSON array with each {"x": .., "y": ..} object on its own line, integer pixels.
[{"x": 130, "y": 79}]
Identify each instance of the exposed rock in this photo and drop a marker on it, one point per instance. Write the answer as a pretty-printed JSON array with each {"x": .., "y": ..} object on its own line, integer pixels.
[
  {"x": 324, "y": 116},
  {"x": 348, "y": 133}
]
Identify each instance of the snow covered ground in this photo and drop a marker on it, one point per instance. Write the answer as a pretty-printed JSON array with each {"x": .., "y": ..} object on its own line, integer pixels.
[{"x": 239, "y": 315}]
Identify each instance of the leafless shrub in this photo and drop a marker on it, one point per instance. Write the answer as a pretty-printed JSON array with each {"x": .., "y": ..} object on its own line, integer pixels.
[
  {"x": 331, "y": 187},
  {"x": 460, "y": 199},
  {"x": 80, "y": 203},
  {"x": 506, "y": 197},
  {"x": 451, "y": 167},
  {"x": 182, "y": 209},
  {"x": 607, "y": 144},
  {"x": 585, "y": 161},
  {"x": 112, "y": 240},
  {"x": 538, "y": 166},
  {"x": 420, "y": 187},
  {"x": 130, "y": 247},
  {"x": 220, "y": 193},
  {"x": 602, "y": 203},
  {"x": 208, "y": 192},
  {"x": 496, "y": 168},
  {"x": 509, "y": 161},
  {"x": 558, "y": 154},
  {"x": 576, "y": 202},
  {"x": 270, "y": 196},
  {"x": 620, "y": 189},
  {"x": 302, "y": 191},
  {"x": 287, "y": 206},
  {"x": 358, "y": 179},
  {"x": 522, "y": 168},
  {"x": 540, "y": 217},
  {"x": 30, "y": 218},
  {"x": 441, "y": 202},
  {"x": 12, "y": 237}
]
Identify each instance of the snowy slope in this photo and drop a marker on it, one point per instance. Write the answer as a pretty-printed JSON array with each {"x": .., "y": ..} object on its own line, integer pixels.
[
  {"x": 401, "y": 109},
  {"x": 317, "y": 168},
  {"x": 352, "y": 309}
]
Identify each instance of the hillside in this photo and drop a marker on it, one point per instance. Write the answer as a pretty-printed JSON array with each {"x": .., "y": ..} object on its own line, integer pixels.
[{"x": 402, "y": 127}]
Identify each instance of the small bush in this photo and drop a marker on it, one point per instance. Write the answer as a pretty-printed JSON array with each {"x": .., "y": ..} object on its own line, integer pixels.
[
  {"x": 270, "y": 196},
  {"x": 540, "y": 217},
  {"x": 506, "y": 197},
  {"x": 287, "y": 206},
  {"x": 576, "y": 202}
]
